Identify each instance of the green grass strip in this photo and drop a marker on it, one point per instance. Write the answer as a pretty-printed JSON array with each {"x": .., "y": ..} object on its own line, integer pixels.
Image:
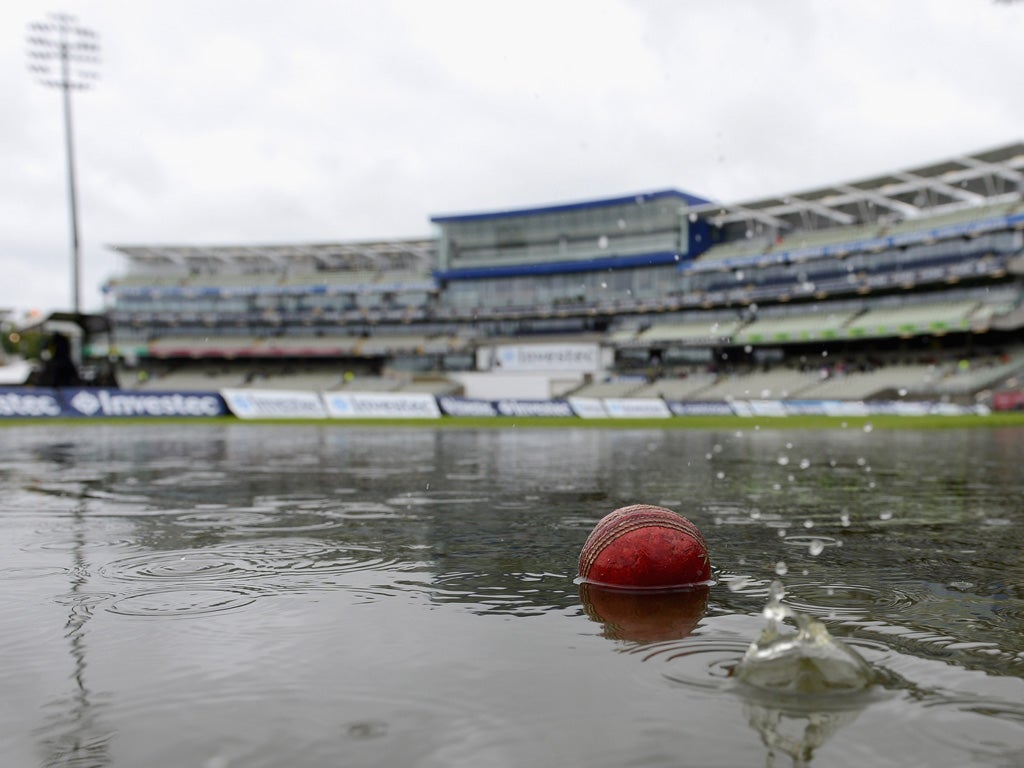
[{"x": 886, "y": 421}]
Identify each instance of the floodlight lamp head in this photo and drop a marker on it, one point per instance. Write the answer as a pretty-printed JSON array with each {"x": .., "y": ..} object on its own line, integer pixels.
[{"x": 62, "y": 53}]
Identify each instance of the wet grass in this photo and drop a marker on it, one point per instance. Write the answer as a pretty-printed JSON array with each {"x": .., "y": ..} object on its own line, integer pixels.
[{"x": 1000, "y": 419}]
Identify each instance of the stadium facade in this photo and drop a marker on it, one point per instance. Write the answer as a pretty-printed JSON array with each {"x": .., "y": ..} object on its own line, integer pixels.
[{"x": 901, "y": 286}]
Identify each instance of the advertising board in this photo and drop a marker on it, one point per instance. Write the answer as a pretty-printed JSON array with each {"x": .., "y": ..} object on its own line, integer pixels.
[
  {"x": 381, "y": 405},
  {"x": 274, "y": 404}
]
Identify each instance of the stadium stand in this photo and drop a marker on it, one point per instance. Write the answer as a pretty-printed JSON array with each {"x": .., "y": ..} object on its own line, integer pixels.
[
  {"x": 775, "y": 384},
  {"x": 619, "y": 387},
  {"x": 690, "y": 387},
  {"x": 892, "y": 280},
  {"x": 855, "y": 384},
  {"x": 711, "y": 330},
  {"x": 938, "y": 317},
  {"x": 812, "y": 326}
]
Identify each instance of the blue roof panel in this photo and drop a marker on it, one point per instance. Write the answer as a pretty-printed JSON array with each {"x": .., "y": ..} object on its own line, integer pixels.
[{"x": 561, "y": 267}]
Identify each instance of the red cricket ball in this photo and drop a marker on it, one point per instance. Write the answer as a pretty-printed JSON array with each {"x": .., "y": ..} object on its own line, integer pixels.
[{"x": 642, "y": 546}]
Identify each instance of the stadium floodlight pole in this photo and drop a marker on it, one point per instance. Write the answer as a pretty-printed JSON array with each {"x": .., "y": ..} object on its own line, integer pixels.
[{"x": 62, "y": 54}]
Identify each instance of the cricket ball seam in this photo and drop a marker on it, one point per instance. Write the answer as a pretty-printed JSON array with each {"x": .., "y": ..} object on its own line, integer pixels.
[{"x": 634, "y": 518}]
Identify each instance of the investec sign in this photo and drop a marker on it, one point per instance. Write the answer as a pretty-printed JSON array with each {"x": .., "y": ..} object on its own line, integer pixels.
[
  {"x": 382, "y": 405},
  {"x": 29, "y": 403},
  {"x": 548, "y": 358},
  {"x": 113, "y": 402},
  {"x": 274, "y": 404}
]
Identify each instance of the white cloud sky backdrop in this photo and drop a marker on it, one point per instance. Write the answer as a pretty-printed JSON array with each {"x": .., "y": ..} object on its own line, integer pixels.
[{"x": 250, "y": 121}]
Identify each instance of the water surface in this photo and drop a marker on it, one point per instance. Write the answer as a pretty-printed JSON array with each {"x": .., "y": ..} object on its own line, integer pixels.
[{"x": 243, "y": 595}]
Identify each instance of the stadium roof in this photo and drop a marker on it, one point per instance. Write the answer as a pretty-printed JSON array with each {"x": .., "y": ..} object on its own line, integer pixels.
[
  {"x": 370, "y": 255},
  {"x": 964, "y": 181},
  {"x": 607, "y": 202}
]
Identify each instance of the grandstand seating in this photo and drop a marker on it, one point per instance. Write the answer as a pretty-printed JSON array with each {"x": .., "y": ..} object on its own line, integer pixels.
[
  {"x": 381, "y": 344},
  {"x": 971, "y": 375},
  {"x": 689, "y": 388},
  {"x": 693, "y": 331},
  {"x": 734, "y": 249},
  {"x": 795, "y": 327},
  {"x": 825, "y": 237},
  {"x": 861, "y": 385},
  {"x": 362, "y": 383},
  {"x": 911, "y": 319},
  {"x": 255, "y": 314},
  {"x": 304, "y": 380},
  {"x": 438, "y": 387},
  {"x": 187, "y": 380},
  {"x": 956, "y": 216},
  {"x": 776, "y": 384},
  {"x": 624, "y": 387}
]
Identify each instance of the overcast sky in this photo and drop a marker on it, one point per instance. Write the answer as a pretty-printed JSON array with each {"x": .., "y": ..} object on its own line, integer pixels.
[{"x": 249, "y": 121}]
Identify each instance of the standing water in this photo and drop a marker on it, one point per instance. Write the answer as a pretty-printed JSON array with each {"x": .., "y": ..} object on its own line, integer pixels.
[{"x": 242, "y": 595}]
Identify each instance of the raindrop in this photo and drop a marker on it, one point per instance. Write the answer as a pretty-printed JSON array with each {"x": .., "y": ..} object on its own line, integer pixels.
[
  {"x": 868, "y": 427},
  {"x": 783, "y": 461},
  {"x": 808, "y": 523},
  {"x": 748, "y": 349},
  {"x": 805, "y": 463},
  {"x": 816, "y": 547},
  {"x": 902, "y": 391},
  {"x": 781, "y": 569},
  {"x": 720, "y": 475},
  {"x": 602, "y": 242},
  {"x": 844, "y": 519},
  {"x": 739, "y": 583},
  {"x": 885, "y": 515}
]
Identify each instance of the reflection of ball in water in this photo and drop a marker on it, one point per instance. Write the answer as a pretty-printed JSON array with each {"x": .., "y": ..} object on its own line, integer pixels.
[
  {"x": 646, "y": 616},
  {"x": 644, "y": 546}
]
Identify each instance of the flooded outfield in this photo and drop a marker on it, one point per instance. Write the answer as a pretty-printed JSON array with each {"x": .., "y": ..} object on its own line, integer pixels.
[{"x": 241, "y": 595}]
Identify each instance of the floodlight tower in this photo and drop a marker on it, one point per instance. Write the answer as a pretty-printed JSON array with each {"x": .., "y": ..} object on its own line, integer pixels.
[{"x": 62, "y": 54}]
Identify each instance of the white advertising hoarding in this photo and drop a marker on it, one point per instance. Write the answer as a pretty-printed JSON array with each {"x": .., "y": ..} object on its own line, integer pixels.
[
  {"x": 548, "y": 358},
  {"x": 381, "y": 405}
]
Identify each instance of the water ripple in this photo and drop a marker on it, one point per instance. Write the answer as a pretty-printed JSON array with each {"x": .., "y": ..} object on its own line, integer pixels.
[
  {"x": 838, "y": 601},
  {"x": 701, "y": 663},
  {"x": 169, "y": 603},
  {"x": 247, "y": 560}
]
